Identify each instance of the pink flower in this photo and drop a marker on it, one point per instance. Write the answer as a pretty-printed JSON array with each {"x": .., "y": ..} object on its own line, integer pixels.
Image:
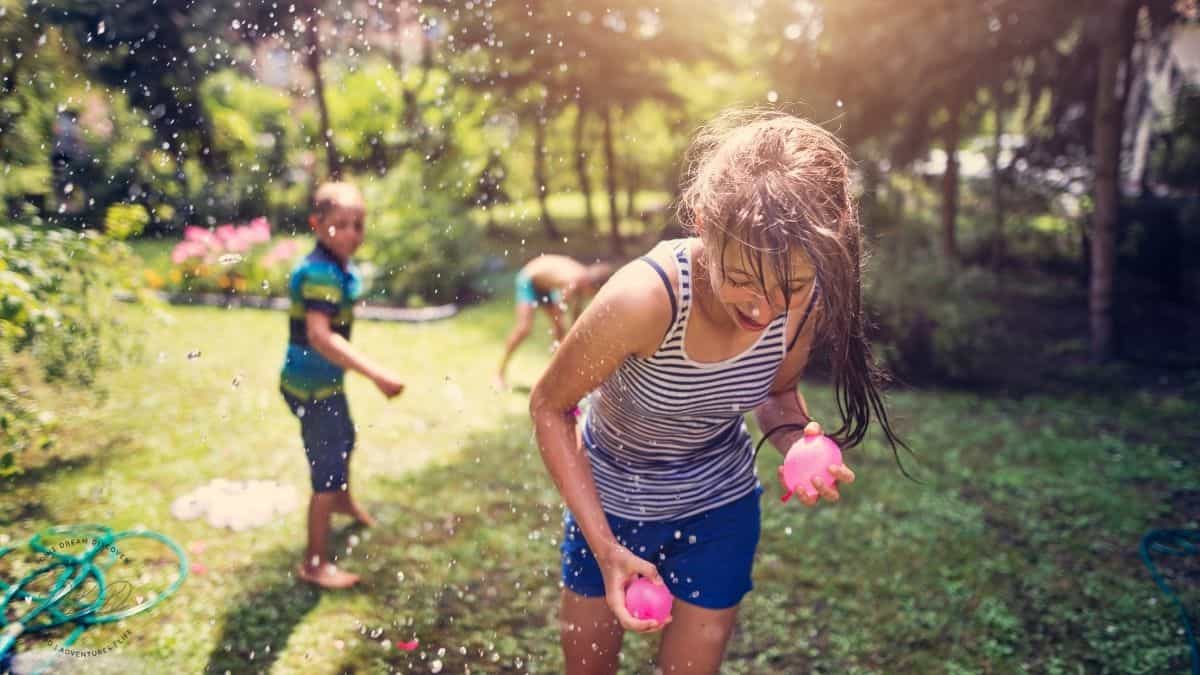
[
  {"x": 238, "y": 243},
  {"x": 258, "y": 231},
  {"x": 283, "y": 250},
  {"x": 225, "y": 233},
  {"x": 198, "y": 234},
  {"x": 187, "y": 249}
]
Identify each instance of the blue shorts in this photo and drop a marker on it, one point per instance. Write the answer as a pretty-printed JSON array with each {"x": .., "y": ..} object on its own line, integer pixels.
[
  {"x": 328, "y": 434},
  {"x": 528, "y": 295},
  {"x": 705, "y": 560}
]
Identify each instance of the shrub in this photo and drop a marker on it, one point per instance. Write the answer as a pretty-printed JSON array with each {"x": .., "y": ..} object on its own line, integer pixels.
[
  {"x": 123, "y": 221},
  {"x": 420, "y": 242},
  {"x": 57, "y": 288},
  {"x": 937, "y": 322}
]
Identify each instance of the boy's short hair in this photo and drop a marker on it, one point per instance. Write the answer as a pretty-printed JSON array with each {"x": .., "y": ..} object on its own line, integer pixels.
[{"x": 329, "y": 197}]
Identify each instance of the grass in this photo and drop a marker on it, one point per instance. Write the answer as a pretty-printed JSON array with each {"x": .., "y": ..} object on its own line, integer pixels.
[{"x": 1016, "y": 553}]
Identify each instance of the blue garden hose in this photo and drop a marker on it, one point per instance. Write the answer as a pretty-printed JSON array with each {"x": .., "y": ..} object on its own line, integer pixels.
[
  {"x": 1181, "y": 544},
  {"x": 55, "y": 607}
]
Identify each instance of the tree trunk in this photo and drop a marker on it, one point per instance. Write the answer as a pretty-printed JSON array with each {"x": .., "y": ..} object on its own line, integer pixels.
[
  {"x": 312, "y": 60},
  {"x": 539, "y": 171},
  {"x": 610, "y": 159},
  {"x": 869, "y": 202},
  {"x": 630, "y": 174},
  {"x": 1115, "y": 39},
  {"x": 949, "y": 247},
  {"x": 998, "y": 248},
  {"x": 581, "y": 168},
  {"x": 631, "y": 189}
]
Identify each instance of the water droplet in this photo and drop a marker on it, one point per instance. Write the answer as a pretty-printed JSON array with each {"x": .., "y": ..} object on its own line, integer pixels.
[
  {"x": 691, "y": 538},
  {"x": 787, "y": 531},
  {"x": 678, "y": 534},
  {"x": 435, "y": 666},
  {"x": 772, "y": 96}
]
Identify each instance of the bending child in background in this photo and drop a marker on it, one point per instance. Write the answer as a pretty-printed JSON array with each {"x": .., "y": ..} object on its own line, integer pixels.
[{"x": 555, "y": 283}]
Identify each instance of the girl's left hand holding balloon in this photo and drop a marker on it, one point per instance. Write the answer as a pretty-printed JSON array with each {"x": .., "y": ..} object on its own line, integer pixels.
[{"x": 821, "y": 487}]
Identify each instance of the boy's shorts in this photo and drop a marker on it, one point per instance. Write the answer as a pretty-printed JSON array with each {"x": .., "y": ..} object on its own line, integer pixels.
[
  {"x": 528, "y": 295},
  {"x": 705, "y": 560},
  {"x": 328, "y": 435}
]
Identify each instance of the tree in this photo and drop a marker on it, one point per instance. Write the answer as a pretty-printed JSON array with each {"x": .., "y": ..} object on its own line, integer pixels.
[
  {"x": 1114, "y": 27},
  {"x": 931, "y": 54},
  {"x": 598, "y": 57},
  {"x": 148, "y": 50}
]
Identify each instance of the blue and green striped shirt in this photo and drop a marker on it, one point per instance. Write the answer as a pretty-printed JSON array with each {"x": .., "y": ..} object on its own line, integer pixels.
[{"x": 319, "y": 282}]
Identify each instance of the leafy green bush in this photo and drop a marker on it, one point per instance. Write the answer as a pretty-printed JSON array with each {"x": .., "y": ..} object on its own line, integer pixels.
[
  {"x": 57, "y": 288},
  {"x": 422, "y": 245},
  {"x": 123, "y": 221},
  {"x": 264, "y": 142},
  {"x": 936, "y": 322}
]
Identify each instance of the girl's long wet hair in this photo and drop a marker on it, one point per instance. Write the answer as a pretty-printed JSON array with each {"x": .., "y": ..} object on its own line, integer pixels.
[{"x": 778, "y": 185}]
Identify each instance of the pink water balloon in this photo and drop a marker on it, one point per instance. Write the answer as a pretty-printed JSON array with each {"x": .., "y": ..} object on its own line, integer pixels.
[
  {"x": 647, "y": 600},
  {"x": 808, "y": 457}
]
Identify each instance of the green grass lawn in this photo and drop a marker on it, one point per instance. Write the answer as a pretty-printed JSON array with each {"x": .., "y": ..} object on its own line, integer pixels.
[{"x": 1017, "y": 553}]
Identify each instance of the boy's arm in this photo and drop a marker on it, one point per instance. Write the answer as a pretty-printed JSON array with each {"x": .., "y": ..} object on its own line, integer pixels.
[
  {"x": 320, "y": 290},
  {"x": 335, "y": 348},
  {"x": 338, "y": 351}
]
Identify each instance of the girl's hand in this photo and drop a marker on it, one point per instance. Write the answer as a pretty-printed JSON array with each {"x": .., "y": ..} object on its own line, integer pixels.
[
  {"x": 620, "y": 567},
  {"x": 841, "y": 472}
]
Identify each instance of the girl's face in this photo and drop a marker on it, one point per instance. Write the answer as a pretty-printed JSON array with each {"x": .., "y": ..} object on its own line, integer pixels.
[{"x": 741, "y": 292}]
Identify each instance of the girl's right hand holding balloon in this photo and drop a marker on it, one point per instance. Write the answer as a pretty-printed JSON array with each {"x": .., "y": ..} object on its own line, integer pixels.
[{"x": 620, "y": 567}]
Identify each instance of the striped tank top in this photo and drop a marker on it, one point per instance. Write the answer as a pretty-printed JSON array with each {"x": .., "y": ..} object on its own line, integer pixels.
[{"x": 665, "y": 435}]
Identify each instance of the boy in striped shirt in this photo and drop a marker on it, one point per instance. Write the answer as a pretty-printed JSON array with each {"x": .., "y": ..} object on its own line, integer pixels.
[{"x": 323, "y": 288}]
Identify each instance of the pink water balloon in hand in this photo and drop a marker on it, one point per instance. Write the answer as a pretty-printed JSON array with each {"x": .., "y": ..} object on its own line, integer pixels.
[
  {"x": 808, "y": 457},
  {"x": 647, "y": 600}
]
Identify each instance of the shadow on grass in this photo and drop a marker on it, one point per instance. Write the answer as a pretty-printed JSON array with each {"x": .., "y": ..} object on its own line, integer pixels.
[
  {"x": 52, "y": 469},
  {"x": 464, "y": 560},
  {"x": 256, "y": 630}
]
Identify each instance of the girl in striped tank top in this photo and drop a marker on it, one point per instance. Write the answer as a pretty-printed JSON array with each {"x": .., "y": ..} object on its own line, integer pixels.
[{"x": 675, "y": 349}]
